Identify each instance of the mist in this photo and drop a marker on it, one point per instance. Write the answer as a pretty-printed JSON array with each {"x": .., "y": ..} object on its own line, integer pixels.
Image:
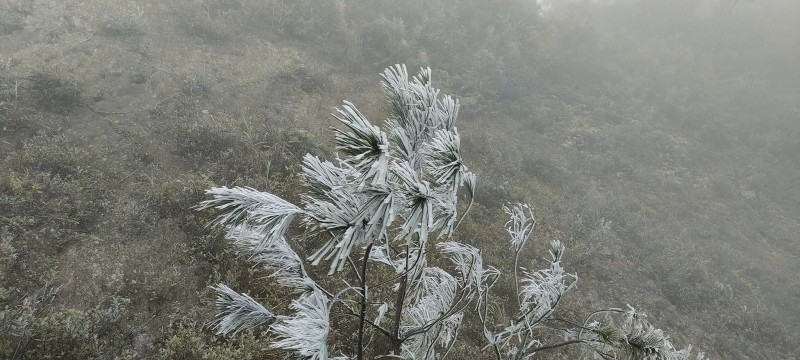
[{"x": 657, "y": 140}]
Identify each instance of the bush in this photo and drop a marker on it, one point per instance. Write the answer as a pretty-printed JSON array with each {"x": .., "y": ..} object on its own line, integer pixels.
[
  {"x": 383, "y": 214},
  {"x": 187, "y": 340},
  {"x": 53, "y": 91},
  {"x": 33, "y": 328}
]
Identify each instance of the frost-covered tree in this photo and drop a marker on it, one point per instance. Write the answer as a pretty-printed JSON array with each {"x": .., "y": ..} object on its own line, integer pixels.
[
  {"x": 380, "y": 203},
  {"x": 377, "y": 213}
]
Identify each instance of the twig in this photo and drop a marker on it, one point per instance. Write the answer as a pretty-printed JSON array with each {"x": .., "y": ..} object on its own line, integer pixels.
[
  {"x": 363, "y": 310},
  {"x": 101, "y": 113}
]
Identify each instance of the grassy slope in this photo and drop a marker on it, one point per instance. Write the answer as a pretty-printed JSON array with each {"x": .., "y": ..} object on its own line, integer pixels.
[{"x": 666, "y": 215}]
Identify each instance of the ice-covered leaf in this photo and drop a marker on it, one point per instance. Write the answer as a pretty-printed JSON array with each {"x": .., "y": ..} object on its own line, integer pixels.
[
  {"x": 430, "y": 309},
  {"x": 237, "y": 312},
  {"x": 262, "y": 212},
  {"x": 365, "y": 144},
  {"x": 306, "y": 331},
  {"x": 278, "y": 259},
  {"x": 444, "y": 159},
  {"x": 381, "y": 313},
  {"x": 321, "y": 178},
  {"x": 469, "y": 263},
  {"x": 470, "y": 180},
  {"x": 520, "y": 225},
  {"x": 541, "y": 291}
]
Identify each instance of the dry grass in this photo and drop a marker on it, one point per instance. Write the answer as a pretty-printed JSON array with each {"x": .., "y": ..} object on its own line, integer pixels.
[{"x": 116, "y": 115}]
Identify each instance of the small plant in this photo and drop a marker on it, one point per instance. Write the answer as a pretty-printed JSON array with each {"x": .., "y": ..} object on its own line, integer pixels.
[
  {"x": 125, "y": 21},
  {"x": 308, "y": 80},
  {"x": 56, "y": 155},
  {"x": 12, "y": 19},
  {"x": 8, "y": 93},
  {"x": 35, "y": 328},
  {"x": 605, "y": 334},
  {"x": 411, "y": 174},
  {"x": 383, "y": 215},
  {"x": 210, "y": 20},
  {"x": 54, "y": 92},
  {"x": 18, "y": 323},
  {"x": 121, "y": 26}
]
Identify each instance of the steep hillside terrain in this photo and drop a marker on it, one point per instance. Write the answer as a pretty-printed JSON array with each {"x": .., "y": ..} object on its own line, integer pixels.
[{"x": 659, "y": 145}]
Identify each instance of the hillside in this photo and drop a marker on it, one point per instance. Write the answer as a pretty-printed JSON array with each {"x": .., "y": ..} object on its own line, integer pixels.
[{"x": 658, "y": 142}]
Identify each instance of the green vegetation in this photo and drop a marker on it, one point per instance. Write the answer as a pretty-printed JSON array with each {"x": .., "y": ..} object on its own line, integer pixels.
[
  {"x": 52, "y": 91},
  {"x": 658, "y": 143}
]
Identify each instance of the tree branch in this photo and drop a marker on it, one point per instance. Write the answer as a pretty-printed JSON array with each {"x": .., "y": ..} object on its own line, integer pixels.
[
  {"x": 363, "y": 309},
  {"x": 553, "y": 346}
]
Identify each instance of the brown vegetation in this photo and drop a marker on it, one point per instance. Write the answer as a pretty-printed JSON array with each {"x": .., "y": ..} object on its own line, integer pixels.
[{"x": 660, "y": 147}]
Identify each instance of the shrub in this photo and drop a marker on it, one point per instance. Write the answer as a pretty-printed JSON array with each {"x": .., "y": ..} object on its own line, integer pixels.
[
  {"x": 384, "y": 215},
  {"x": 125, "y": 21},
  {"x": 54, "y": 92},
  {"x": 33, "y": 327}
]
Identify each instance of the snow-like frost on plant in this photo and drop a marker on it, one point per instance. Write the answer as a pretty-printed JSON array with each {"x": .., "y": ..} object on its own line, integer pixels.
[
  {"x": 469, "y": 263},
  {"x": 520, "y": 224},
  {"x": 445, "y": 164},
  {"x": 305, "y": 332},
  {"x": 410, "y": 173},
  {"x": 429, "y": 307},
  {"x": 366, "y": 145},
  {"x": 542, "y": 289},
  {"x": 237, "y": 312},
  {"x": 390, "y": 190},
  {"x": 263, "y": 212}
]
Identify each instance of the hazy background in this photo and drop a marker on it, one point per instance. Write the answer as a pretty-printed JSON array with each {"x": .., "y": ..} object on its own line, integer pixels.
[{"x": 659, "y": 140}]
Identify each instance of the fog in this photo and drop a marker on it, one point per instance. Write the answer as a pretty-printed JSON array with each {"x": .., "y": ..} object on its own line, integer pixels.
[{"x": 658, "y": 140}]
